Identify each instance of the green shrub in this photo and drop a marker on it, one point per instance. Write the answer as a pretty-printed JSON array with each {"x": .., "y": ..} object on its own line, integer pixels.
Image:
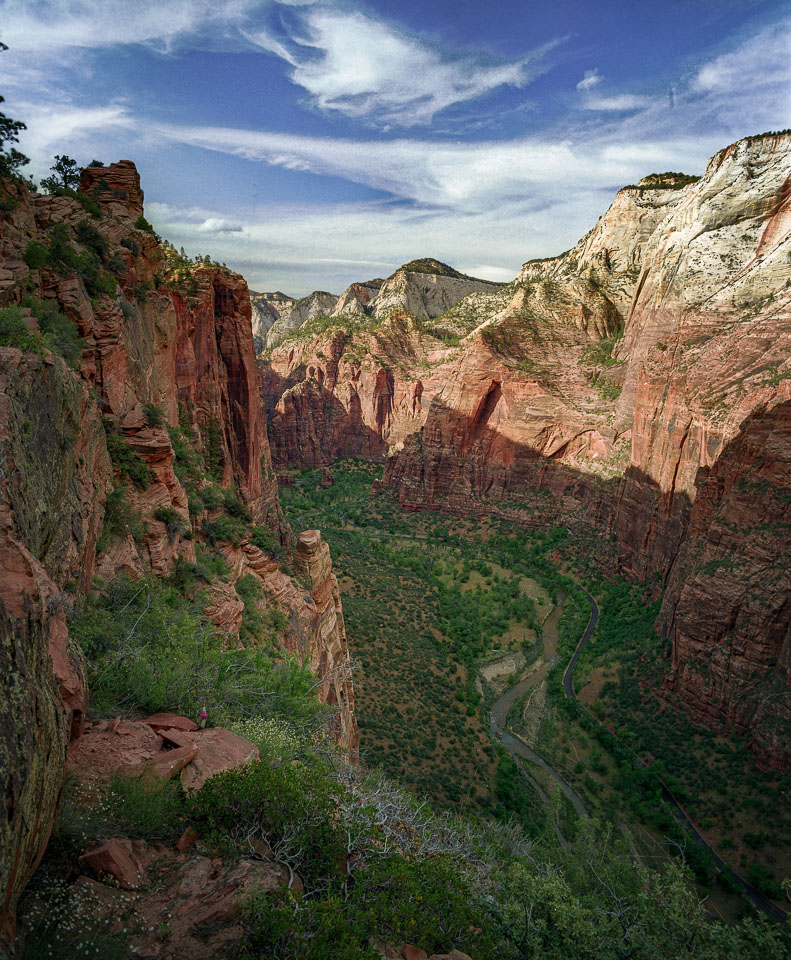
[
  {"x": 173, "y": 520},
  {"x": 763, "y": 881},
  {"x": 263, "y": 538},
  {"x": 291, "y": 808},
  {"x": 127, "y": 462},
  {"x": 59, "y": 333},
  {"x": 211, "y": 496},
  {"x": 15, "y": 333},
  {"x": 62, "y": 253},
  {"x": 142, "y": 224},
  {"x": 155, "y": 416},
  {"x": 211, "y": 565},
  {"x": 235, "y": 507},
  {"x": 121, "y": 519},
  {"x": 145, "y": 807},
  {"x": 222, "y": 530},
  {"x": 89, "y": 205},
  {"x": 90, "y": 237},
  {"x": 149, "y": 648},
  {"x": 213, "y": 453},
  {"x": 37, "y": 255}
]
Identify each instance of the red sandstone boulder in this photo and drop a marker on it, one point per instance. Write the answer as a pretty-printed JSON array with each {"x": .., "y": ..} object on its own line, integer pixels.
[
  {"x": 216, "y": 750},
  {"x": 410, "y": 952},
  {"x": 187, "y": 839},
  {"x": 169, "y": 762},
  {"x": 170, "y": 721},
  {"x": 113, "y": 860}
]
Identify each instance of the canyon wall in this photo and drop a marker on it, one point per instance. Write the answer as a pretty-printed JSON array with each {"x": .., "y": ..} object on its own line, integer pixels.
[
  {"x": 628, "y": 386},
  {"x": 162, "y": 401},
  {"x": 673, "y": 438}
]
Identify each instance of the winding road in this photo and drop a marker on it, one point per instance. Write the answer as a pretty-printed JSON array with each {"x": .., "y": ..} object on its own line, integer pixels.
[
  {"x": 758, "y": 900},
  {"x": 515, "y": 745}
]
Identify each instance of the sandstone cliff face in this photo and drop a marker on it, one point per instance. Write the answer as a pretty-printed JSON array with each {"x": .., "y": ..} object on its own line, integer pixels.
[
  {"x": 707, "y": 387},
  {"x": 351, "y": 391},
  {"x": 698, "y": 279},
  {"x": 265, "y": 309},
  {"x": 295, "y": 313},
  {"x": 53, "y": 471},
  {"x": 361, "y": 385},
  {"x": 167, "y": 380}
]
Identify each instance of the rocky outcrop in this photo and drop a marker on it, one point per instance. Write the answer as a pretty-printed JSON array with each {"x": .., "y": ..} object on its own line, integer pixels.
[
  {"x": 425, "y": 289},
  {"x": 53, "y": 472},
  {"x": 116, "y": 188},
  {"x": 315, "y": 630},
  {"x": 329, "y": 649}
]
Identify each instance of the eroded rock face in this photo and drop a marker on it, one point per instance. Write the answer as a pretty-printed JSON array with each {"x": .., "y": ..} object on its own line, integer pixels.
[
  {"x": 534, "y": 423},
  {"x": 351, "y": 393},
  {"x": 329, "y": 648},
  {"x": 53, "y": 471},
  {"x": 295, "y": 313},
  {"x": 361, "y": 387},
  {"x": 168, "y": 372},
  {"x": 316, "y": 630}
]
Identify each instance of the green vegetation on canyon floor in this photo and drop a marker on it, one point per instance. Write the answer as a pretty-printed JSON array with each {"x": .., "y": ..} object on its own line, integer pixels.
[{"x": 427, "y": 600}]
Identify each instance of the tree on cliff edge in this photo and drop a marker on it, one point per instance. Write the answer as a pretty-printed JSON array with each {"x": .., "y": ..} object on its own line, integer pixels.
[{"x": 65, "y": 175}]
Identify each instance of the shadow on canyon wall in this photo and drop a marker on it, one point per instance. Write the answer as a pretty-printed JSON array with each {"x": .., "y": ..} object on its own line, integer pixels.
[
  {"x": 721, "y": 560},
  {"x": 311, "y": 427}
]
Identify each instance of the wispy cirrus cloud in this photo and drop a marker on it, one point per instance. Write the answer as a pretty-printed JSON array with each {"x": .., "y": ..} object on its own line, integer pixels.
[
  {"x": 758, "y": 62},
  {"x": 461, "y": 176},
  {"x": 591, "y": 78},
  {"x": 59, "y": 25},
  {"x": 618, "y": 103},
  {"x": 369, "y": 69},
  {"x": 346, "y": 61}
]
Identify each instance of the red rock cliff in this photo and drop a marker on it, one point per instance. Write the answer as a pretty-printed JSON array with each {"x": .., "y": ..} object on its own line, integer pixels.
[{"x": 168, "y": 384}]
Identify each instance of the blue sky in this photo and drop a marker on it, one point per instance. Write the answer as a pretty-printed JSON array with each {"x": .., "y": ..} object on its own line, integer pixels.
[{"x": 310, "y": 144}]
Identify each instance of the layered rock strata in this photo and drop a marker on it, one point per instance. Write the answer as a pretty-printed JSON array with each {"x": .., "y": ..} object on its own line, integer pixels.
[
  {"x": 657, "y": 437},
  {"x": 168, "y": 385}
]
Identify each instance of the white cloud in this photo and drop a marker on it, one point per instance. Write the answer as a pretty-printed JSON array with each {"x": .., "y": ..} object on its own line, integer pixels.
[
  {"x": 345, "y": 61},
  {"x": 760, "y": 61},
  {"x": 485, "y": 271},
  {"x": 285, "y": 248},
  {"x": 57, "y": 25},
  {"x": 591, "y": 78},
  {"x": 218, "y": 225},
  {"x": 624, "y": 101},
  {"x": 460, "y": 176},
  {"x": 367, "y": 69},
  {"x": 58, "y": 128}
]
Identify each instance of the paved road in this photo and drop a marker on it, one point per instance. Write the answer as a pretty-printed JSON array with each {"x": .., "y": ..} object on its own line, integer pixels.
[
  {"x": 754, "y": 896},
  {"x": 515, "y": 745}
]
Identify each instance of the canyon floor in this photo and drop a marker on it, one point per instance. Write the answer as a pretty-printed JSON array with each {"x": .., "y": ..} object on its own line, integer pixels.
[{"x": 445, "y": 613}]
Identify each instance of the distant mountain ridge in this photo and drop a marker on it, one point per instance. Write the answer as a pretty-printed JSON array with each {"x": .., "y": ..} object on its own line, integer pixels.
[{"x": 425, "y": 288}]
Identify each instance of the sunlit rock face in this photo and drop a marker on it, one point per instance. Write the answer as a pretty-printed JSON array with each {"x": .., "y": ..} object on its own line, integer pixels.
[{"x": 612, "y": 387}]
